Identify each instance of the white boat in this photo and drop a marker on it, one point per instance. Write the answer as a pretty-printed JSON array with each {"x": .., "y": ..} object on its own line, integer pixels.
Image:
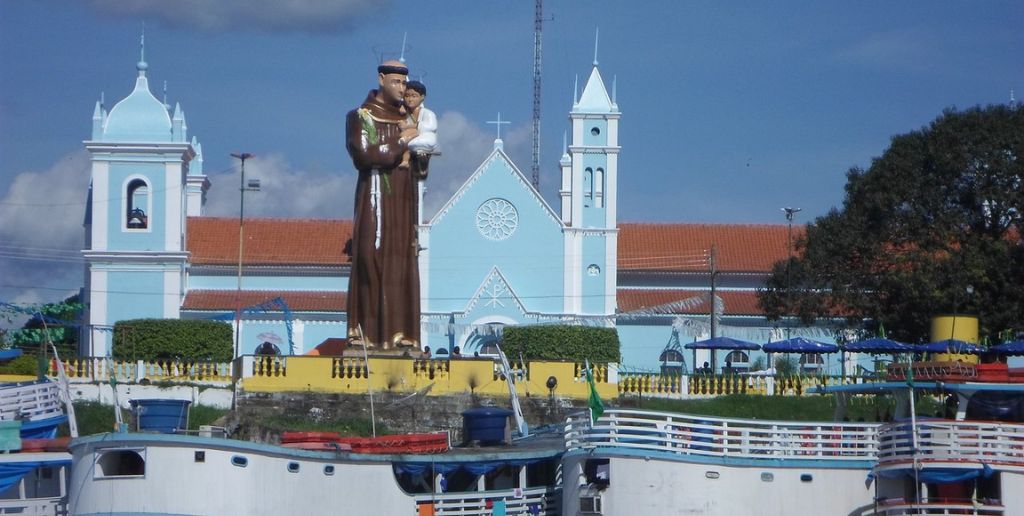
[
  {"x": 34, "y": 468},
  {"x": 970, "y": 461},
  {"x": 644, "y": 462},
  {"x": 139, "y": 473}
]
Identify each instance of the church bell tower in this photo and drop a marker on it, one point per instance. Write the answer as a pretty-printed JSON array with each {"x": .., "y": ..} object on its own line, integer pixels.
[
  {"x": 139, "y": 196},
  {"x": 588, "y": 199}
]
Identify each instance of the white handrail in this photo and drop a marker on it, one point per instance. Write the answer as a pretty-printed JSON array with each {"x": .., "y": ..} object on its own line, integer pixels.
[
  {"x": 474, "y": 503},
  {"x": 900, "y": 508},
  {"x": 686, "y": 434},
  {"x": 954, "y": 440}
]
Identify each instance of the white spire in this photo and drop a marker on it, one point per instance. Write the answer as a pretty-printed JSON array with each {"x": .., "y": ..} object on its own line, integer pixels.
[
  {"x": 401, "y": 58},
  {"x": 575, "y": 90},
  {"x": 596, "y": 31},
  {"x": 141, "y": 66}
]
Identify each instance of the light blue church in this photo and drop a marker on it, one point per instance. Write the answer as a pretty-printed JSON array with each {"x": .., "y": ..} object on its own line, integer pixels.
[{"x": 495, "y": 254}]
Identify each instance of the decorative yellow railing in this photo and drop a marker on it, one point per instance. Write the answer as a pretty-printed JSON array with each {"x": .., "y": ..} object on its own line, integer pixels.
[
  {"x": 432, "y": 376},
  {"x": 437, "y": 377},
  {"x": 644, "y": 384},
  {"x": 98, "y": 369}
]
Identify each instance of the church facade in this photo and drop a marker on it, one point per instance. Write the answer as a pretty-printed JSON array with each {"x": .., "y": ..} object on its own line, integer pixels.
[{"x": 495, "y": 254}]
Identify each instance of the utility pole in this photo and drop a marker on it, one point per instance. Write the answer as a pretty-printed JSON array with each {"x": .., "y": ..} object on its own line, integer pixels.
[
  {"x": 252, "y": 186},
  {"x": 790, "y": 213},
  {"x": 538, "y": 20},
  {"x": 714, "y": 305}
]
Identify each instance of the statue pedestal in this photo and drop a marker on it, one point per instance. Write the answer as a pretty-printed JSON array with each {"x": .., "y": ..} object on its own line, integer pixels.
[{"x": 357, "y": 352}]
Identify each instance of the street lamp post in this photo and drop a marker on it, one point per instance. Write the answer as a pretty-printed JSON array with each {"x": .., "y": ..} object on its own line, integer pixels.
[
  {"x": 790, "y": 214},
  {"x": 254, "y": 185}
]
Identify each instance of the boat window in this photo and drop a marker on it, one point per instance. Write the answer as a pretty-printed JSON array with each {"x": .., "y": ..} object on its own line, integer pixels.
[
  {"x": 713, "y": 475},
  {"x": 542, "y": 473},
  {"x": 293, "y": 467},
  {"x": 806, "y": 477},
  {"x": 767, "y": 477},
  {"x": 120, "y": 463},
  {"x": 504, "y": 477},
  {"x": 598, "y": 472},
  {"x": 328, "y": 470},
  {"x": 460, "y": 481},
  {"x": 239, "y": 461},
  {"x": 414, "y": 480},
  {"x": 200, "y": 456}
]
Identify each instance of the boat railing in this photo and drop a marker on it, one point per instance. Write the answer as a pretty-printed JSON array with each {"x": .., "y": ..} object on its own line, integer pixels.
[
  {"x": 982, "y": 441},
  {"x": 900, "y": 507},
  {"x": 722, "y": 437},
  {"x": 33, "y": 506},
  {"x": 517, "y": 501},
  {"x": 30, "y": 401}
]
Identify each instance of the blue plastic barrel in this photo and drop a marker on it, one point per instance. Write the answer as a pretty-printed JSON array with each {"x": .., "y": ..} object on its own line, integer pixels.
[
  {"x": 485, "y": 424},
  {"x": 163, "y": 416}
]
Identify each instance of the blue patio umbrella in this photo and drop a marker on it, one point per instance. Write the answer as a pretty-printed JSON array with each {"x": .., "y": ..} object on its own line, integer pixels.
[
  {"x": 9, "y": 354},
  {"x": 953, "y": 346},
  {"x": 1014, "y": 348},
  {"x": 722, "y": 343},
  {"x": 877, "y": 345},
  {"x": 799, "y": 345}
]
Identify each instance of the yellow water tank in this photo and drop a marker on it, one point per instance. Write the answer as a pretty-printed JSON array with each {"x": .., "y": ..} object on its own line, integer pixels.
[{"x": 959, "y": 327}]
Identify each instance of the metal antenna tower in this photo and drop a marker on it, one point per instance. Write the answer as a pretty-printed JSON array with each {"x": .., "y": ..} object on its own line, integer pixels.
[{"x": 538, "y": 21}]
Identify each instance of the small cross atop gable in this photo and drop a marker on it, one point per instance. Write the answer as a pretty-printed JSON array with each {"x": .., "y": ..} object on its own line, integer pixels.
[{"x": 498, "y": 175}]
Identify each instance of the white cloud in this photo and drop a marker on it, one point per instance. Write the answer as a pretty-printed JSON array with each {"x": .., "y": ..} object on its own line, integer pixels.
[
  {"x": 464, "y": 146},
  {"x": 908, "y": 48},
  {"x": 277, "y": 15},
  {"x": 284, "y": 191},
  {"x": 41, "y": 235}
]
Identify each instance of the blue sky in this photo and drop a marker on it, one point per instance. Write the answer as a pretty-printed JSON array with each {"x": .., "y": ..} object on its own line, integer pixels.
[{"x": 731, "y": 110}]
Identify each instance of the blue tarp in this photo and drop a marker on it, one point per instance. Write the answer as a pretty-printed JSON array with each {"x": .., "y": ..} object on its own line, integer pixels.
[
  {"x": 877, "y": 345},
  {"x": 11, "y": 472},
  {"x": 722, "y": 343},
  {"x": 474, "y": 468},
  {"x": 940, "y": 475},
  {"x": 951, "y": 346},
  {"x": 799, "y": 345},
  {"x": 1009, "y": 348}
]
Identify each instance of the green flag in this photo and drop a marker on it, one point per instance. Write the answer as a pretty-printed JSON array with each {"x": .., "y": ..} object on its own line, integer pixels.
[{"x": 596, "y": 407}]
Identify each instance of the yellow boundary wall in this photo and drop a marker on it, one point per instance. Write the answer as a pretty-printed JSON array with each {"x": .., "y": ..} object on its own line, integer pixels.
[{"x": 435, "y": 377}]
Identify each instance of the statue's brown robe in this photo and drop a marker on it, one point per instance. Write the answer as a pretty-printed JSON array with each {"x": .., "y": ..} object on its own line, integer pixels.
[{"x": 384, "y": 286}]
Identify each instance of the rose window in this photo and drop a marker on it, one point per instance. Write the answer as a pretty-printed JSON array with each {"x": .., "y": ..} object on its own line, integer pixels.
[{"x": 497, "y": 219}]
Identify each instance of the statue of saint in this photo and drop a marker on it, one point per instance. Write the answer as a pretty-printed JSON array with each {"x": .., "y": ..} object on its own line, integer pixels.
[{"x": 384, "y": 287}]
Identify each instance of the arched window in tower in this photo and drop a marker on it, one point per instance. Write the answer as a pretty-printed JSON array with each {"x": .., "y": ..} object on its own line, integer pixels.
[
  {"x": 588, "y": 186},
  {"x": 137, "y": 195},
  {"x": 599, "y": 188}
]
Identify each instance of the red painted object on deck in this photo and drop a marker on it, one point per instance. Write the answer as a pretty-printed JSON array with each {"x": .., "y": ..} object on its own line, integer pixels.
[{"x": 436, "y": 442}]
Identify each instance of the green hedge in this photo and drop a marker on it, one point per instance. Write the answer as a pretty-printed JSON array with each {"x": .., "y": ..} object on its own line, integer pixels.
[
  {"x": 599, "y": 345},
  {"x": 155, "y": 339}
]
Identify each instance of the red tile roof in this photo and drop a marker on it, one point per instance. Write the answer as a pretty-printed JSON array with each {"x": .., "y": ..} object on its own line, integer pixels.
[
  {"x": 736, "y": 302},
  {"x": 298, "y": 301},
  {"x": 214, "y": 241},
  {"x": 686, "y": 247},
  {"x": 642, "y": 246}
]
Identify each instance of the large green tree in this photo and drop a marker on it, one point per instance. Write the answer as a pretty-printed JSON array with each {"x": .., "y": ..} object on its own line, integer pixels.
[{"x": 932, "y": 227}]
